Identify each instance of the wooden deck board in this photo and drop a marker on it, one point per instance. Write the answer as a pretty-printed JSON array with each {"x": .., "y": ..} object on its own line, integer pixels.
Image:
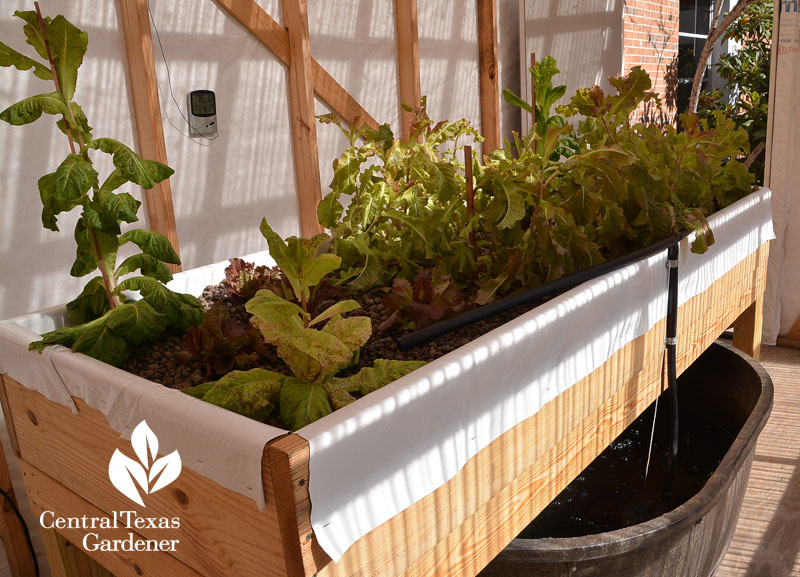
[{"x": 767, "y": 539}]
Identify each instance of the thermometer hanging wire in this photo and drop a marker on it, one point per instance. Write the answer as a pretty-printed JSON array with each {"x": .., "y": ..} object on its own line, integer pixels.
[{"x": 169, "y": 84}]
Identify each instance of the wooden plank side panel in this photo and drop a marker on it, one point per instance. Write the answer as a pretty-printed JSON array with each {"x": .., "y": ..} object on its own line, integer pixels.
[
  {"x": 147, "y": 110},
  {"x": 484, "y": 534},
  {"x": 66, "y": 560},
  {"x": 12, "y": 435},
  {"x": 65, "y": 548},
  {"x": 489, "y": 79},
  {"x": 11, "y": 530},
  {"x": 471, "y": 546},
  {"x": 290, "y": 474},
  {"x": 78, "y": 563},
  {"x": 407, "y": 59},
  {"x": 303, "y": 121},
  {"x": 222, "y": 532},
  {"x": 55, "y": 557},
  {"x": 417, "y": 531},
  {"x": 462, "y": 525}
]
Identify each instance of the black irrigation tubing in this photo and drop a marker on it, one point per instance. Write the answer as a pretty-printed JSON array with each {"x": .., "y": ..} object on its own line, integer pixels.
[{"x": 529, "y": 296}]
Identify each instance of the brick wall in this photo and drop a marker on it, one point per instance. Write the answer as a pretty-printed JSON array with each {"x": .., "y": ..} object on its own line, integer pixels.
[{"x": 650, "y": 40}]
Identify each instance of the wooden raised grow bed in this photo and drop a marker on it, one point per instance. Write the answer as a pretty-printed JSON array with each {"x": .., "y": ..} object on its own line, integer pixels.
[{"x": 455, "y": 530}]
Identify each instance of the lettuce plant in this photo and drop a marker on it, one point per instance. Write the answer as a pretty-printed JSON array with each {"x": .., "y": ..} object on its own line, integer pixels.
[
  {"x": 315, "y": 348},
  {"x": 432, "y": 297},
  {"x": 407, "y": 206},
  {"x": 645, "y": 182},
  {"x": 625, "y": 186},
  {"x": 107, "y": 325},
  {"x": 222, "y": 343},
  {"x": 243, "y": 280}
]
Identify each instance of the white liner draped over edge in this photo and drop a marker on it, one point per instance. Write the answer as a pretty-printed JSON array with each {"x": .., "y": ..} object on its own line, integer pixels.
[
  {"x": 216, "y": 443},
  {"x": 383, "y": 453},
  {"x": 380, "y": 455}
]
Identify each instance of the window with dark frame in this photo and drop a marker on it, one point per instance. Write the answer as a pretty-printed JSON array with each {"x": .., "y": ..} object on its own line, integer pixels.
[{"x": 694, "y": 24}]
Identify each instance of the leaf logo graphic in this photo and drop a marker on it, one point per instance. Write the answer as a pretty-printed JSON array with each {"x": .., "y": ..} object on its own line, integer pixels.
[{"x": 149, "y": 473}]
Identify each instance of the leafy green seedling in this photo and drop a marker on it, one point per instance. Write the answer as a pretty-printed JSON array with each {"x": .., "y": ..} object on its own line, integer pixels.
[
  {"x": 315, "y": 349},
  {"x": 298, "y": 260},
  {"x": 546, "y": 97},
  {"x": 106, "y": 325}
]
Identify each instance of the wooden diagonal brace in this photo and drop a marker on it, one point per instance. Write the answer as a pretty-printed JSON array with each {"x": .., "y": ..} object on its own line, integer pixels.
[{"x": 275, "y": 38}]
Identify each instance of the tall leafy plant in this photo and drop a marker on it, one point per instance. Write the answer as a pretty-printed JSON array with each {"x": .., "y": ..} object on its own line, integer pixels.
[
  {"x": 530, "y": 234},
  {"x": 546, "y": 97},
  {"x": 107, "y": 324},
  {"x": 315, "y": 348}
]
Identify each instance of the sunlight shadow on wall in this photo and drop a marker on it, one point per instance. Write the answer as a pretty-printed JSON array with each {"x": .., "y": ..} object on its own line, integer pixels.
[
  {"x": 448, "y": 54},
  {"x": 585, "y": 38},
  {"x": 360, "y": 54}
]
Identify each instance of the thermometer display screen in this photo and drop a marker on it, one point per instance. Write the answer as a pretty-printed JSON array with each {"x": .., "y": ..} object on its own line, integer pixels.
[{"x": 203, "y": 103}]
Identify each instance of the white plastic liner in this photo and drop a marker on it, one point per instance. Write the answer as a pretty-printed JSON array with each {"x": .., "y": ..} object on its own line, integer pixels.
[
  {"x": 221, "y": 445},
  {"x": 383, "y": 453}
]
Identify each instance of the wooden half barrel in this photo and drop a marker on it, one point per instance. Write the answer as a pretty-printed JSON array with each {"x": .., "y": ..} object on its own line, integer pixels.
[{"x": 691, "y": 539}]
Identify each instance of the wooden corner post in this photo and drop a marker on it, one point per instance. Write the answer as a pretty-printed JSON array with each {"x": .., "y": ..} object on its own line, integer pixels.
[
  {"x": 303, "y": 120},
  {"x": 747, "y": 328},
  {"x": 147, "y": 109},
  {"x": 489, "y": 82},
  {"x": 407, "y": 59},
  {"x": 288, "y": 461}
]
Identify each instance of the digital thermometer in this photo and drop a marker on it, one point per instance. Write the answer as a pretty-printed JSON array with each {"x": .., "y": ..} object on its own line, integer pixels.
[{"x": 202, "y": 113}]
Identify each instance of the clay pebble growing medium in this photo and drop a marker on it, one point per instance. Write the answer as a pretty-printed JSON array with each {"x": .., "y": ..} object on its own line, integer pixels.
[{"x": 165, "y": 361}]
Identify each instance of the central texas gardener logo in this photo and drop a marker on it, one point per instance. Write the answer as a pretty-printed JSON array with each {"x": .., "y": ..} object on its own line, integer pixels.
[{"x": 149, "y": 473}]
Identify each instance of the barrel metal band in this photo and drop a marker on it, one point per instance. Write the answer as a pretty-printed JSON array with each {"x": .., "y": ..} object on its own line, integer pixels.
[
  {"x": 671, "y": 341},
  {"x": 672, "y": 263}
]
